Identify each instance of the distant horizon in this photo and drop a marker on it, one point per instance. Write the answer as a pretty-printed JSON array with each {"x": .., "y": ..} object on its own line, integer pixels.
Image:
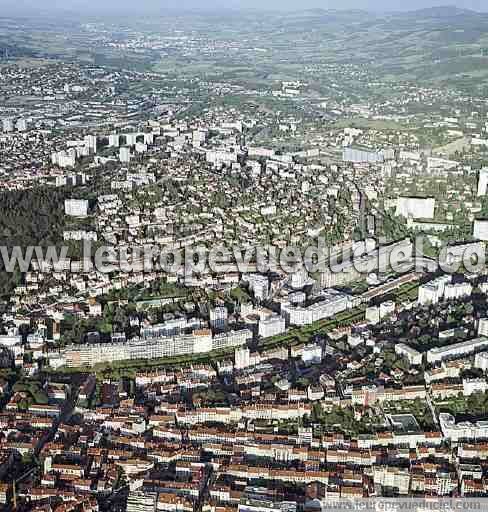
[{"x": 118, "y": 7}]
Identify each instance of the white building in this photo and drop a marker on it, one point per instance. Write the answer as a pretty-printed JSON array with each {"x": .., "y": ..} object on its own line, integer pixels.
[
  {"x": 154, "y": 348},
  {"x": 299, "y": 279},
  {"x": 113, "y": 140},
  {"x": 131, "y": 139},
  {"x": 297, "y": 298},
  {"x": 312, "y": 354},
  {"x": 259, "y": 286},
  {"x": 242, "y": 358},
  {"x": 91, "y": 143},
  {"x": 483, "y": 327},
  {"x": 416, "y": 207},
  {"x": 141, "y": 502},
  {"x": 483, "y": 182},
  {"x": 480, "y": 230},
  {"x": 481, "y": 361},
  {"x": 80, "y": 235},
  {"x": 333, "y": 302},
  {"x": 76, "y": 207},
  {"x": 172, "y": 327},
  {"x": 7, "y": 124},
  {"x": 471, "y": 386},
  {"x": 218, "y": 317},
  {"x": 438, "y": 354},
  {"x": 272, "y": 326},
  {"x": 464, "y": 430},
  {"x": 413, "y": 356},
  {"x": 12, "y": 342},
  {"x": 387, "y": 308},
  {"x": 373, "y": 314},
  {"x": 21, "y": 125},
  {"x": 64, "y": 158},
  {"x": 457, "y": 291},
  {"x": 124, "y": 155},
  {"x": 432, "y": 293}
]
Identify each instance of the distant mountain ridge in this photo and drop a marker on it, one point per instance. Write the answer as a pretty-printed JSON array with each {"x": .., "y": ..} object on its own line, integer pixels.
[{"x": 442, "y": 11}]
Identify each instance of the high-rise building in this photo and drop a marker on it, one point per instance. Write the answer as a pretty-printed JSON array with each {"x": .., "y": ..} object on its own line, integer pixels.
[
  {"x": 7, "y": 125},
  {"x": 91, "y": 143},
  {"x": 480, "y": 230},
  {"x": 21, "y": 125},
  {"x": 148, "y": 139},
  {"x": 131, "y": 139},
  {"x": 331, "y": 303},
  {"x": 259, "y": 285},
  {"x": 481, "y": 361},
  {"x": 124, "y": 154},
  {"x": 272, "y": 326},
  {"x": 432, "y": 292},
  {"x": 113, "y": 140},
  {"x": 64, "y": 158},
  {"x": 242, "y": 357},
  {"x": 483, "y": 182},
  {"x": 483, "y": 327},
  {"x": 218, "y": 317}
]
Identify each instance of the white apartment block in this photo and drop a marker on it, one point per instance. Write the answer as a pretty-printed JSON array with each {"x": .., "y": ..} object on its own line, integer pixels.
[
  {"x": 218, "y": 317},
  {"x": 457, "y": 291},
  {"x": 483, "y": 182},
  {"x": 481, "y": 361},
  {"x": 76, "y": 207},
  {"x": 471, "y": 386},
  {"x": 171, "y": 327},
  {"x": 272, "y": 326},
  {"x": 80, "y": 235},
  {"x": 465, "y": 430},
  {"x": 483, "y": 327},
  {"x": 124, "y": 154},
  {"x": 480, "y": 230},
  {"x": 332, "y": 303},
  {"x": 64, "y": 158},
  {"x": 312, "y": 354},
  {"x": 416, "y": 207},
  {"x": 242, "y": 358},
  {"x": 259, "y": 285},
  {"x": 170, "y": 346},
  {"x": 438, "y": 354},
  {"x": 432, "y": 293},
  {"x": 231, "y": 339},
  {"x": 413, "y": 356},
  {"x": 113, "y": 140}
]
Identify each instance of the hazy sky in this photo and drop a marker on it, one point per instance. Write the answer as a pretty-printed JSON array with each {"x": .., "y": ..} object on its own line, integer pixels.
[{"x": 119, "y": 5}]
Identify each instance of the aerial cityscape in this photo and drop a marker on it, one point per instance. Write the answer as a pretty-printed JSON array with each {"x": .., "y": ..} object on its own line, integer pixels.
[{"x": 243, "y": 259}]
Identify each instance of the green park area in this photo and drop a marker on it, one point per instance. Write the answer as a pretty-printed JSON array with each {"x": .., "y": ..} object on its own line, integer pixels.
[
  {"x": 475, "y": 405},
  {"x": 418, "y": 408},
  {"x": 34, "y": 393}
]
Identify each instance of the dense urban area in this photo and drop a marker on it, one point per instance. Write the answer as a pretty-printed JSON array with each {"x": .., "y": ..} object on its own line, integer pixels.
[{"x": 159, "y": 381}]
